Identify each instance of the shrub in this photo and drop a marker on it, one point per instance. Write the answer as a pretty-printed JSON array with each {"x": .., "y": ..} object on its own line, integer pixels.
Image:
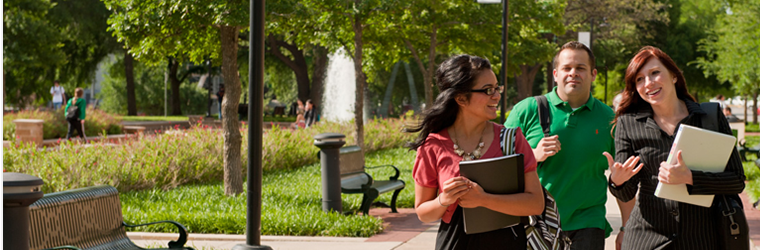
[
  {"x": 179, "y": 156},
  {"x": 55, "y": 125}
]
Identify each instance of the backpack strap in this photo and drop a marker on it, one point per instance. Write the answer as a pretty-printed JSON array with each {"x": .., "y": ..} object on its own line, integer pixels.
[
  {"x": 710, "y": 121},
  {"x": 507, "y": 140},
  {"x": 544, "y": 115}
]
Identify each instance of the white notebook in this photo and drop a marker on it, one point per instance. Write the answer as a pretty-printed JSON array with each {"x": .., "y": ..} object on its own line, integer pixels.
[{"x": 702, "y": 150}]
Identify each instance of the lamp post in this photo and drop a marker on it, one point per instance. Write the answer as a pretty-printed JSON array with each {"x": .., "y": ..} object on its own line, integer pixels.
[
  {"x": 504, "y": 41},
  {"x": 255, "y": 123}
]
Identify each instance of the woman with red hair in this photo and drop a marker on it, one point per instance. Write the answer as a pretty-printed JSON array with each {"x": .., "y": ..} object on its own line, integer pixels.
[{"x": 655, "y": 103}]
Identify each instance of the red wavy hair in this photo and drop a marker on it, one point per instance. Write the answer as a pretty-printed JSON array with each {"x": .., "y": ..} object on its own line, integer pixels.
[{"x": 632, "y": 101}]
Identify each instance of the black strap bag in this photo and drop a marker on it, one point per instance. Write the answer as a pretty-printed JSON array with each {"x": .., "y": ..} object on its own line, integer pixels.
[
  {"x": 543, "y": 231},
  {"x": 72, "y": 114},
  {"x": 730, "y": 222}
]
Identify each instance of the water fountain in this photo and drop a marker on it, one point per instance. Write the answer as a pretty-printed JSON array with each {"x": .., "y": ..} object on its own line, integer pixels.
[{"x": 340, "y": 89}]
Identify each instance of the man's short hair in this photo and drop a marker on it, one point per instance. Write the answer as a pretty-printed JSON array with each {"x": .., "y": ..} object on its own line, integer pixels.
[
  {"x": 56, "y": 81},
  {"x": 575, "y": 45}
]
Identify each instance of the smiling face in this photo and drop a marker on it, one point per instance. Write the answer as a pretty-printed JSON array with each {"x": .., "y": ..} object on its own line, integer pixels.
[
  {"x": 480, "y": 104},
  {"x": 574, "y": 75},
  {"x": 655, "y": 84}
]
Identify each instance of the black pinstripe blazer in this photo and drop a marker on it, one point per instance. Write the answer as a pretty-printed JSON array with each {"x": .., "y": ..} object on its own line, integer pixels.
[{"x": 657, "y": 223}]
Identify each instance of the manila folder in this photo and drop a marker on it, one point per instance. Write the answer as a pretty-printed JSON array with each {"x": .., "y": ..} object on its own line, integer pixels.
[
  {"x": 499, "y": 175},
  {"x": 702, "y": 150}
]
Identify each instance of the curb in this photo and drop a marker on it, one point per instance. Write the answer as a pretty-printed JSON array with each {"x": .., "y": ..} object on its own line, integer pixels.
[{"x": 239, "y": 237}]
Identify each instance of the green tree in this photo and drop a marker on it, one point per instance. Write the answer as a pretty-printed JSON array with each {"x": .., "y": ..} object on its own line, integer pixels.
[
  {"x": 194, "y": 31},
  {"x": 620, "y": 29},
  {"x": 43, "y": 41},
  {"x": 733, "y": 49},
  {"x": 149, "y": 90},
  {"x": 290, "y": 28},
  {"x": 31, "y": 49}
]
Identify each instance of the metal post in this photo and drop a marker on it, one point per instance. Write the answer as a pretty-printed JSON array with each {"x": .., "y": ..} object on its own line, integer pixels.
[
  {"x": 504, "y": 59},
  {"x": 19, "y": 191},
  {"x": 329, "y": 145},
  {"x": 255, "y": 123}
]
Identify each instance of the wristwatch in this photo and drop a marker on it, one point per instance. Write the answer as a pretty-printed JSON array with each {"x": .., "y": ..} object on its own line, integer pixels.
[{"x": 612, "y": 184}]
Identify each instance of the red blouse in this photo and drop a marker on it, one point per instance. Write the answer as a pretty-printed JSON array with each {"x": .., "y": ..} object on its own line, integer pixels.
[{"x": 437, "y": 162}]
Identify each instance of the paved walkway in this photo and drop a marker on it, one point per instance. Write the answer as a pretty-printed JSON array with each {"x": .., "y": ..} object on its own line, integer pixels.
[{"x": 403, "y": 232}]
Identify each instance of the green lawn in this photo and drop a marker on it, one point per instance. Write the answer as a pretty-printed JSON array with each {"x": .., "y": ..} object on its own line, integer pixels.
[
  {"x": 751, "y": 127},
  {"x": 290, "y": 198}
]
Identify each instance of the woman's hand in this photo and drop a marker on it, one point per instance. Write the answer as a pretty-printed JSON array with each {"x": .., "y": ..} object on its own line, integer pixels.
[
  {"x": 453, "y": 189},
  {"x": 675, "y": 174},
  {"x": 548, "y": 146},
  {"x": 620, "y": 173},
  {"x": 474, "y": 197}
]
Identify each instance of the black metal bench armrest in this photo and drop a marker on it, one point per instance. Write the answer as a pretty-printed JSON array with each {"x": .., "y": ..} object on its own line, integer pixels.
[
  {"x": 393, "y": 178},
  {"x": 180, "y": 243},
  {"x": 63, "y": 247}
]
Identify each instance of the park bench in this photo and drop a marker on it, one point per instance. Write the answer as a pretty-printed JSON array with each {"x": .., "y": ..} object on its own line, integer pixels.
[
  {"x": 355, "y": 180},
  {"x": 85, "y": 218}
]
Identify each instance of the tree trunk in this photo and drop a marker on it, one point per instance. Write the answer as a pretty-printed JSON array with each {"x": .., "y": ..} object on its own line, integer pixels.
[
  {"x": 754, "y": 109},
  {"x": 233, "y": 176},
  {"x": 525, "y": 80},
  {"x": 549, "y": 77},
  {"x": 130, "y": 74},
  {"x": 318, "y": 75},
  {"x": 360, "y": 80},
  {"x": 174, "y": 82},
  {"x": 427, "y": 71},
  {"x": 428, "y": 77},
  {"x": 297, "y": 63}
]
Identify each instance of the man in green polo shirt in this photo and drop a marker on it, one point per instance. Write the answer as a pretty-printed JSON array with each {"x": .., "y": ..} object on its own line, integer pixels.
[{"x": 571, "y": 165}]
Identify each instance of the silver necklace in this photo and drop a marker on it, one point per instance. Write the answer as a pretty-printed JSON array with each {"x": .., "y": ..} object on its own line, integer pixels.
[{"x": 475, "y": 154}]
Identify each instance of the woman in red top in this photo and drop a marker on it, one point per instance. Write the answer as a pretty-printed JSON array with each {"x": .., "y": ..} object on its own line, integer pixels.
[{"x": 457, "y": 128}]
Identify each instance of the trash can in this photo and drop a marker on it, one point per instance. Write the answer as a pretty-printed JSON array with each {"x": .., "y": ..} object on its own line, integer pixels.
[
  {"x": 329, "y": 145},
  {"x": 19, "y": 191}
]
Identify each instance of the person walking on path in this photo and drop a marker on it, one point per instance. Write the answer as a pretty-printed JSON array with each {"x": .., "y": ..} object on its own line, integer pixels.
[
  {"x": 456, "y": 128},
  {"x": 57, "y": 92},
  {"x": 75, "y": 114},
  {"x": 571, "y": 167},
  {"x": 655, "y": 103}
]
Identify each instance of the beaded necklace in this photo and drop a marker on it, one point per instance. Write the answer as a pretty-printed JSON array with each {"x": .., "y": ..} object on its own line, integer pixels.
[{"x": 475, "y": 154}]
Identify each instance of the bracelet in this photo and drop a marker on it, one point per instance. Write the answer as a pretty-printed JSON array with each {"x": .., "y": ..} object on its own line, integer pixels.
[
  {"x": 439, "y": 201},
  {"x": 622, "y": 228}
]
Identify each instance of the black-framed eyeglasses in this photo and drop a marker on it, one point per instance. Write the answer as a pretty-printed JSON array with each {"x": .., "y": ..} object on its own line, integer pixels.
[{"x": 490, "y": 91}]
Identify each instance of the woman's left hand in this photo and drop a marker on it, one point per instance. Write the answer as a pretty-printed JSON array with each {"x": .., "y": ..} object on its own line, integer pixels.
[
  {"x": 473, "y": 197},
  {"x": 675, "y": 174}
]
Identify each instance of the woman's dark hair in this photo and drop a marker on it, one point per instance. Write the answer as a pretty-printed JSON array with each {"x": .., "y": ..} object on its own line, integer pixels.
[
  {"x": 455, "y": 76},
  {"x": 632, "y": 101}
]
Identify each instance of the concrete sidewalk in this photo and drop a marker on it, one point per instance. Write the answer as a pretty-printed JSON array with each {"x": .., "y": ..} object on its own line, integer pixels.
[{"x": 403, "y": 231}]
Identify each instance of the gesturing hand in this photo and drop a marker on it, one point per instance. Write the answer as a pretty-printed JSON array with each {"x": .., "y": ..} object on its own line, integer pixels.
[
  {"x": 620, "y": 173},
  {"x": 548, "y": 146},
  {"x": 675, "y": 174},
  {"x": 453, "y": 189}
]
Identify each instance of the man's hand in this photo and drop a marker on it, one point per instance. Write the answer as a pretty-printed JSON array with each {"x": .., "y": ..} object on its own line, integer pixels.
[
  {"x": 675, "y": 174},
  {"x": 548, "y": 146}
]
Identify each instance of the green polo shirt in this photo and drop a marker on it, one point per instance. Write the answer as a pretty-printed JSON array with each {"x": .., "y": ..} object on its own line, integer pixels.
[{"x": 575, "y": 175}]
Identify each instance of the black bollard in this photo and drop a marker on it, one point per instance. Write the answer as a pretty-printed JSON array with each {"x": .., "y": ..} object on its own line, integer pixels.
[
  {"x": 19, "y": 191},
  {"x": 329, "y": 144}
]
